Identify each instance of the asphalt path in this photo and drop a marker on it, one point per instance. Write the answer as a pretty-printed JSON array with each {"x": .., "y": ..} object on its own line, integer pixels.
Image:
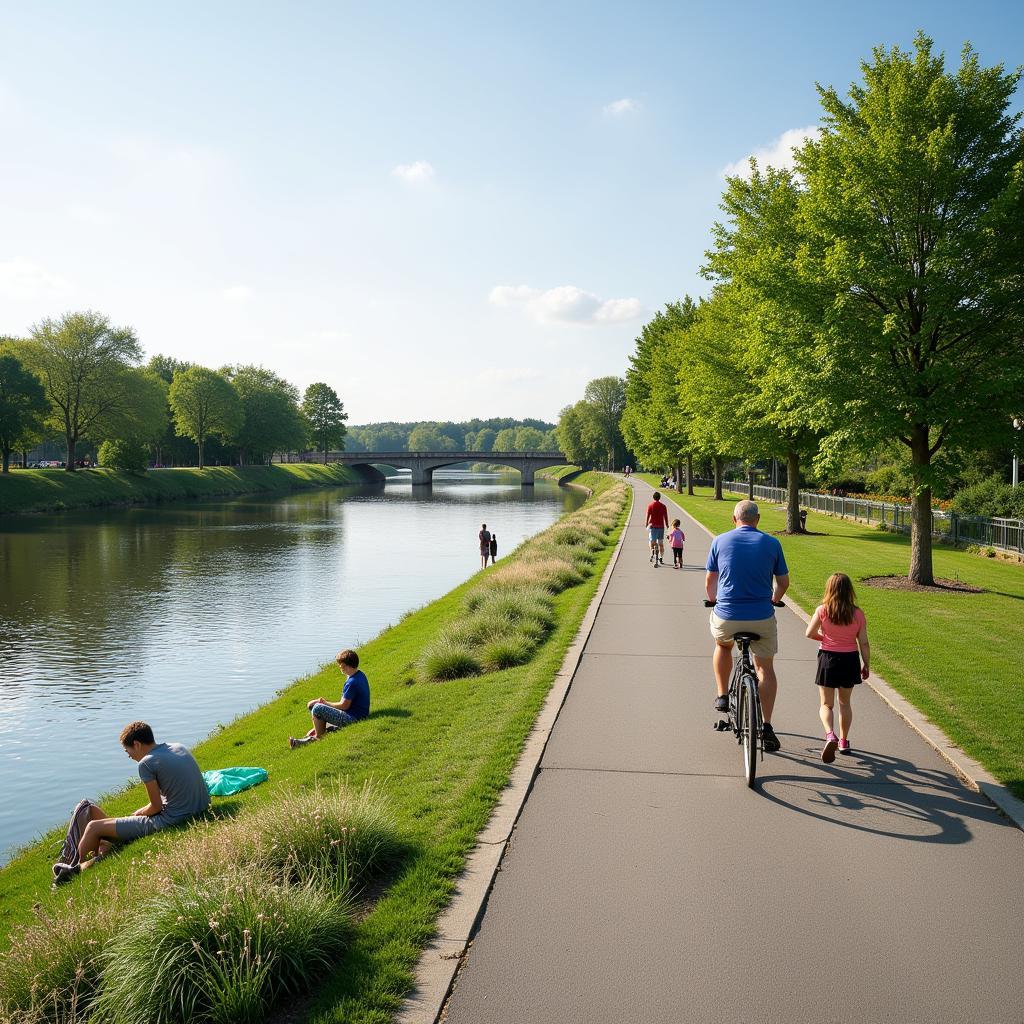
[{"x": 646, "y": 883}]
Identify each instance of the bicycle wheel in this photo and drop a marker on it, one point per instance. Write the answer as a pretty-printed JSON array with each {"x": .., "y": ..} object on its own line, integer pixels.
[{"x": 748, "y": 725}]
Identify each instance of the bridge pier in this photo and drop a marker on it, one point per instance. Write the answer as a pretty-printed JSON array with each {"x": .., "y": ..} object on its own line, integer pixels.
[
  {"x": 527, "y": 473},
  {"x": 421, "y": 475}
]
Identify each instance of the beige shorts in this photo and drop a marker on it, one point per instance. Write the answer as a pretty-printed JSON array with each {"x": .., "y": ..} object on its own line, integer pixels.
[{"x": 723, "y": 630}]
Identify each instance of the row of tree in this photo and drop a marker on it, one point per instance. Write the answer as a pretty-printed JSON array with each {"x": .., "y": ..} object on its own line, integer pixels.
[
  {"x": 81, "y": 378},
  {"x": 499, "y": 434},
  {"x": 873, "y": 294}
]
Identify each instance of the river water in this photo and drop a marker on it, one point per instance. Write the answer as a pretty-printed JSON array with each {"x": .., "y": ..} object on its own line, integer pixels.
[{"x": 190, "y": 615}]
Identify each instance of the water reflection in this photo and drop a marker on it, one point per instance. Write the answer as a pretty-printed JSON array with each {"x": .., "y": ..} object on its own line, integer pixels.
[{"x": 191, "y": 615}]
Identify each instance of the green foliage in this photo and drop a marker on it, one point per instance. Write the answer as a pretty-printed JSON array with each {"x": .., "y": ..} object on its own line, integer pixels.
[
  {"x": 893, "y": 478},
  {"x": 271, "y": 420},
  {"x": 325, "y": 415},
  {"x": 129, "y": 456},
  {"x": 427, "y": 437},
  {"x": 204, "y": 404},
  {"x": 991, "y": 497},
  {"x": 23, "y": 404}
]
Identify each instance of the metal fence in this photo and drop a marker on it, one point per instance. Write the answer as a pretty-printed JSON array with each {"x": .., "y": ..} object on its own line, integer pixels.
[{"x": 1005, "y": 534}]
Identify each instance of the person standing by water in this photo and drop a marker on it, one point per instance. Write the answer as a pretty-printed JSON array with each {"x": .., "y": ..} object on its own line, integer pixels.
[
  {"x": 494, "y": 548},
  {"x": 485, "y": 545}
]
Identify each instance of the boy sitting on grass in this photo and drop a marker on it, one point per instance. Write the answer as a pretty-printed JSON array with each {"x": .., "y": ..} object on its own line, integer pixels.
[
  {"x": 174, "y": 785},
  {"x": 353, "y": 706}
]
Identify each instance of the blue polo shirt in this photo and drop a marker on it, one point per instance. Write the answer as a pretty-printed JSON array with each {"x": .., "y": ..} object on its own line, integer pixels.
[
  {"x": 746, "y": 560},
  {"x": 357, "y": 690}
]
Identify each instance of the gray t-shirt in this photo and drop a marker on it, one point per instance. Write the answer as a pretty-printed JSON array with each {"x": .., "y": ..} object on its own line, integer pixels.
[{"x": 181, "y": 782}]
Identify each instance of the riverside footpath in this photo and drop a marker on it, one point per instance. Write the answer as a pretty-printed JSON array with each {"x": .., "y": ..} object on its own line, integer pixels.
[{"x": 644, "y": 882}]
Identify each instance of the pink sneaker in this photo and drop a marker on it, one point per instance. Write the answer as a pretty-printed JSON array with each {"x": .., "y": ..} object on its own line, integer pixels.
[
  {"x": 844, "y": 747},
  {"x": 828, "y": 753}
]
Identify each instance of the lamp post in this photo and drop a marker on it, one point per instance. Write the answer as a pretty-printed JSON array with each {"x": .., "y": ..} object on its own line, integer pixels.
[{"x": 1016, "y": 460}]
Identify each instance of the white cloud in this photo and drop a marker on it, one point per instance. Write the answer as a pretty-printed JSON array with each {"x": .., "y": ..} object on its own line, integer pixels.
[
  {"x": 238, "y": 293},
  {"x": 417, "y": 173},
  {"x": 777, "y": 154},
  {"x": 566, "y": 304},
  {"x": 620, "y": 108},
  {"x": 85, "y": 214},
  {"x": 23, "y": 279}
]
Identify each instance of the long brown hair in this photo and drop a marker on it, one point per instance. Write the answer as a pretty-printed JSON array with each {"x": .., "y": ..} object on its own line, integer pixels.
[{"x": 839, "y": 600}]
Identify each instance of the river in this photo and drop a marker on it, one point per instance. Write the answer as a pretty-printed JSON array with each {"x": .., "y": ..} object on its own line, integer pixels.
[{"x": 188, "y": 615}]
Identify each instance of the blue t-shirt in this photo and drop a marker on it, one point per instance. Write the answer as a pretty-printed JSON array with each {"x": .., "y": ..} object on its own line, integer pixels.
[
  {"x": 357, "y": 690},
  {"x": 746, "y": 560}
]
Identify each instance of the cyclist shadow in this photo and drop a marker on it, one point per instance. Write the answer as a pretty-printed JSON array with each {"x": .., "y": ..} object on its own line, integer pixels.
[{"x": 882, "y": 795}]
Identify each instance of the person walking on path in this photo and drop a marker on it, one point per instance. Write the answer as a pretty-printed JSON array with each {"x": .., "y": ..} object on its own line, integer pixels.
[
  {"x": 746, "y": 577},
  {"x": 676, "y": 539},
  {"x": 485, "y": 545},
  {"x": 657, "y": 520},
  {"x": 841, "y": 628},
  {"x": 494, "y": 548}
]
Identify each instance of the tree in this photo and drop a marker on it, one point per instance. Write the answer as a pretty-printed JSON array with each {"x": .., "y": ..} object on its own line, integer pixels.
[
  {"x": 142, "y": 420},
  {"x": 23, "y": 404},
  {"x": 529, "y": 439},
  {"x": 326, "y": 417},
  {"x": 427, "y": 437},
  {"x": 204, "y": 405},
  {"x": 607, "y": 396},
  {"x": 485, "y": 439},
  {"x": 580, "y": 436},
  {"x": 271, "y": 420},
  {"x": 83, "y": 362},
  {"x": 505, "y": 440},
  {"x": 914, "y": 217}
]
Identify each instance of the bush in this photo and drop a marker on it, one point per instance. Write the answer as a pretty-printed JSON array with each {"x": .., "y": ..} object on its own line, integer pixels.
[
  {"x": 991, "y": 497},
  {"x": 448, "y": 659},
  {"x": 128, "y": 456},
  {"x": 507, "y": 652},
  {"x": 893, "y": 479}
]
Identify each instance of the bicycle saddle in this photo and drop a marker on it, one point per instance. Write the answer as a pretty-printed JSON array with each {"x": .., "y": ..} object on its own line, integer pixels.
[{"x": 746, "y": 636}]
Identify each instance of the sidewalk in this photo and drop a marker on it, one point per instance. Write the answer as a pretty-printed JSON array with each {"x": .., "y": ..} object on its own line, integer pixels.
[{"x": 645, "y": 882}]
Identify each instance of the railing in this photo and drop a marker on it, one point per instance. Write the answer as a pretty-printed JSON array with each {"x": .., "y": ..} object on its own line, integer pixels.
[{"x": 1005, "y": 534}]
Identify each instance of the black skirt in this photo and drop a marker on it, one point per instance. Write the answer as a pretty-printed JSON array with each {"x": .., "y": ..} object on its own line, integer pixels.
[{"x": 838, "y": 668}]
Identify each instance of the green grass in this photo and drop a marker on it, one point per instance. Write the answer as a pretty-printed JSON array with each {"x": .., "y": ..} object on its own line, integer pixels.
[
  {"x": 560, "y": 472},
  {"x": 957, "y": 657},
  {"x": 49, "y": 490},
  {"x": 439, "y": 752}
]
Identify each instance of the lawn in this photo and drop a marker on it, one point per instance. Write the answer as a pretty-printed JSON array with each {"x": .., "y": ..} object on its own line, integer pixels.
[
  {"x": 441, "y": 753},
  {"x": 958, "y": 657},
  {"x": 47, "y": 490}
]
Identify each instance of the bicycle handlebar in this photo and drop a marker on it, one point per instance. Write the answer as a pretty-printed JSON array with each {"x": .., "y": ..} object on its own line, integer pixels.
[{"x": 711, "y": 604}]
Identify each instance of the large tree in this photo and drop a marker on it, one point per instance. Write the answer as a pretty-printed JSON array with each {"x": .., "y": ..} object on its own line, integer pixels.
[
  {"x": 204, "y": 405},
  {"x": 913, "y": 212},
  {"x": 580, "y": 437},
  {"x": 271, "y": 420},
  {"x": 607, "y": 397},
  {"x": 84, "y": 365},
  {"x": 23, "y": 404},
  {"x": 325, "y": 415}
]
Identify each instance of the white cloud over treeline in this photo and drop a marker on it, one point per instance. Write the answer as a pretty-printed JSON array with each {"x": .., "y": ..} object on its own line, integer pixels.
[{"x": 566, "y": 304}]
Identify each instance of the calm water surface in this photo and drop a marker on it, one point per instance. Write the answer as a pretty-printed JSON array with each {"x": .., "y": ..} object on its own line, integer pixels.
[{"x": 189, "y": 615}]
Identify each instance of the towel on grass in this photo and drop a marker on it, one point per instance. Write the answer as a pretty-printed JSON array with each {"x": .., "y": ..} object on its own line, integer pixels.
[{"x": 228, "y": 781}]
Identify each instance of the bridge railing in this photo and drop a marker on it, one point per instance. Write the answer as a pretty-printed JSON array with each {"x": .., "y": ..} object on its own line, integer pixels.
[{"x": 382, "y": 457}]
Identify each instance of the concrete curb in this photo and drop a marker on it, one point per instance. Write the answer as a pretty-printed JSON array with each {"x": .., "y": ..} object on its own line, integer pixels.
[
  {"x": 439, "y": 963},
  {"x": 975, "y": 775}
]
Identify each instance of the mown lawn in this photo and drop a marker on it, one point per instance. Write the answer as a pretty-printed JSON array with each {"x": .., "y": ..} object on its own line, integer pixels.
[
  {"x": 47, "y": 490},
  {"x": 442, "y": 753},
  {"x": 958, "y": 657}
]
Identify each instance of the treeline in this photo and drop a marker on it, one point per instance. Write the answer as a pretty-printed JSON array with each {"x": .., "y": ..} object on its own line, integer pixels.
[
  {"x": 499, "y": 434},
  {"x": 589, "y": 432},
  {"x": 872, "y": 297},
  {"x": 82, "y": 379}
]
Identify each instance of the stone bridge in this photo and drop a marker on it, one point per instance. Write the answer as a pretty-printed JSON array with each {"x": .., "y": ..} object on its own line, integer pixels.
[{"x": 423, "y": 464}]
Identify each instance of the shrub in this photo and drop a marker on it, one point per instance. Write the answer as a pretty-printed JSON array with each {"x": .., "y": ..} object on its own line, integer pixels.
[
  {"x": 893, "y": 479},
  {"x": 517, "y": 603},
  {"x": 448, "y": 659},
  {"x": 129, "y": 456},
  {"x": 991, "y": 497},
  {"x": 220, "y": 949},
  {"x": 507, "y": 652}
]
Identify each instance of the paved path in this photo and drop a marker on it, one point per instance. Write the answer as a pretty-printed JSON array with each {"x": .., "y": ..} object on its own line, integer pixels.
[{"x": 646, "y": 883}]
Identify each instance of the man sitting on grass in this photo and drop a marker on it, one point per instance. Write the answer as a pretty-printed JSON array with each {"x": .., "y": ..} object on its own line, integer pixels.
[
  {"x": 353, "y": 706},
  {"x": 174, "y": 785}
]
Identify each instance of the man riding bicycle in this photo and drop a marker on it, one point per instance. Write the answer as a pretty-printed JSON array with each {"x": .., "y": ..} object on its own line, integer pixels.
[
  {"x": 746, "y": 575},
  {"x": 657, "y": 520}
]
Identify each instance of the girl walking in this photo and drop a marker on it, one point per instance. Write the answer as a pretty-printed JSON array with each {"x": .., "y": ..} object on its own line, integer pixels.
[
  {"x": 676, "y": 539},
  {"x": 839, "y": 625}
]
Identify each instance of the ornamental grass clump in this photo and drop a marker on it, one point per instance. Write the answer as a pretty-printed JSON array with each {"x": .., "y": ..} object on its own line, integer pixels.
[
  {"x": 507, "y": 652},
  {"x": 221, "y": 949},
  {"x": 447, "y": 659}
]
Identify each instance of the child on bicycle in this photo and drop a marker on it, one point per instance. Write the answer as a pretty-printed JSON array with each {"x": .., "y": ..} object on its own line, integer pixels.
[
  {"x": 841, "y": 628},
  {"x": 676, "y": 539}
]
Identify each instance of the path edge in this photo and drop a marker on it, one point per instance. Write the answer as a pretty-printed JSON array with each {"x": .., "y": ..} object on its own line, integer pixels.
[
  {"x": 442, "y": 957},
  {"x": 974, "y": 774}
]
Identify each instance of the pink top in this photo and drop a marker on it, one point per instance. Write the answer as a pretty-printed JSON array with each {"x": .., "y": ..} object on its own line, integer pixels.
[
  {"x": 840, "y": 638},
  {"x": 676, "y": 538}
]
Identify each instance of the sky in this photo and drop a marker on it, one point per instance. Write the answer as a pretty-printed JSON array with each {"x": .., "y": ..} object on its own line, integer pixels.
[{"x": 444, "y": 210}]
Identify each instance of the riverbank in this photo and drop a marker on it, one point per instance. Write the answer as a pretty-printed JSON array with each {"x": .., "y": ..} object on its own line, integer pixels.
[
  {"x": 954, "y": 655},
  {"x": 440, "y": 754},
  {"x": 54, "y": 490}
]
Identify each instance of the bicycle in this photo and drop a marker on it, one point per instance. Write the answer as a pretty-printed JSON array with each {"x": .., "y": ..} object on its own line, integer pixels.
[{"x": 744, "y": 715}]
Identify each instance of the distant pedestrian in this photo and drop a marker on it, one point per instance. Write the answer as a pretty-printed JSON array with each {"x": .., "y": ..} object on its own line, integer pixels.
[
  {"x": 628, "y": 472},
  {"x": 676, "y": 539},
  {"x": 841, "y": 628},
  {"x": 485, "y": 545},
  {"x": 494, "y": 548}
]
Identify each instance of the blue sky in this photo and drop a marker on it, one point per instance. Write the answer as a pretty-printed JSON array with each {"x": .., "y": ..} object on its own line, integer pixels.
[{"x": 444, "y": 210}]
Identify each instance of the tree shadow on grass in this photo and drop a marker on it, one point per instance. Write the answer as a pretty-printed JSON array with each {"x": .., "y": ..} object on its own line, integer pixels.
[{"x": 881, "y": 795}]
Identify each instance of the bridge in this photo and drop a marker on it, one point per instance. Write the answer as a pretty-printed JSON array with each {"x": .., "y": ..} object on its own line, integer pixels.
[{"x": 423, "y": 464}]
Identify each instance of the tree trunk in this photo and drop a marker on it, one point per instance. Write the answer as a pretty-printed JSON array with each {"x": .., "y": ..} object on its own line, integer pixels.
[
  {"x": 7, "y": 460},
  {"x": 689, "y": 474},
  {"x": 750, "y": 484},
  {"x": 24, "y": 458},
  {"x": 200, "y": 443},
  {"x": 679, "y": 478},
  {"x": 69, "y": 466},
  {"x": 793, "y": 493},
  {"x": 921, "y": 571},
  {"x": 718, "y": 478}
]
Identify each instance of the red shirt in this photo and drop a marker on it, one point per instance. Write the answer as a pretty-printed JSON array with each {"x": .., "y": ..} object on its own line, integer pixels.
[{"x": 657, "y": 515}]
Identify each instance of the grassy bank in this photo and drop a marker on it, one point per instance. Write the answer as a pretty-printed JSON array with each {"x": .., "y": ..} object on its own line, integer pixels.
[
  {"x": 437, "y": 753},
  {"x": 561, "y": 472},
  {"x": 956, "y": 656},
  {"x": 50, "y": 490}
]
